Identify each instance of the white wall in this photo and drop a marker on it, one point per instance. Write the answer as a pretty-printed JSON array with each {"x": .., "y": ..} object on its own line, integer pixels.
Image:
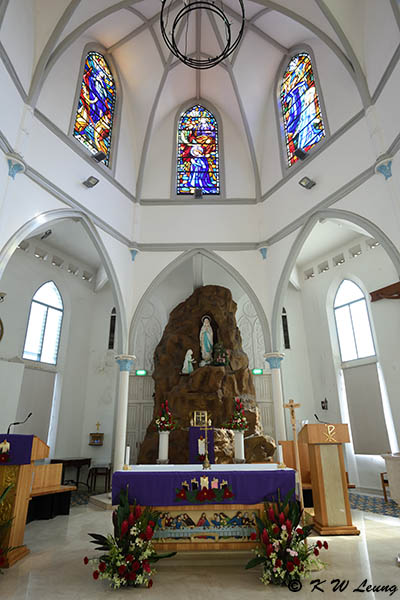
[
  {"x": 89, "y": 374},
  {"x": 373, "y": 269}
]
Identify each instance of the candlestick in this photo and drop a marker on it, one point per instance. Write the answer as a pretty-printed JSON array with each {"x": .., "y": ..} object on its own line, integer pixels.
[{"x": 127, "y": 455}]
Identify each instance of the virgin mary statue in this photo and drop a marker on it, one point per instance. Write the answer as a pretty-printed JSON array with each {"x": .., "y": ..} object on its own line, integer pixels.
[{"x": 206, "y": 341}]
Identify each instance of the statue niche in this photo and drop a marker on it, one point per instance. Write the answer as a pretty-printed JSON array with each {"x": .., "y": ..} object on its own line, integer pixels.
[{"x": 222, "y": 374}]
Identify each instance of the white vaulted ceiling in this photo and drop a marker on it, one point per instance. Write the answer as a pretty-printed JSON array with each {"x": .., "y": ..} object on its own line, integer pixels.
[{"x": 350, "y": 59}]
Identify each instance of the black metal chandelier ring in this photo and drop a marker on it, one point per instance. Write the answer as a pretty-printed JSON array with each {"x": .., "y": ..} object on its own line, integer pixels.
[{"x": 184, "y": 12}]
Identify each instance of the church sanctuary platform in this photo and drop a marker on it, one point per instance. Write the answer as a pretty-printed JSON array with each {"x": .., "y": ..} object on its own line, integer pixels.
[{"x": 204, "y": 510}]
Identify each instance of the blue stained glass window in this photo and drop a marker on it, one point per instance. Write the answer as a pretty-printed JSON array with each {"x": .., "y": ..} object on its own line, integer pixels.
[
  {"x": 301, "y": 111},
  {"x": 197, "y": 155},
  {"x": 94, "y": 118}
]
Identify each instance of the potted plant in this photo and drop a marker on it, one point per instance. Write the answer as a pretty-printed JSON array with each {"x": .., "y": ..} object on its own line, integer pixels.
[
  {"x": 238, "y": 423},
  {"x": 165, "y": 423}
]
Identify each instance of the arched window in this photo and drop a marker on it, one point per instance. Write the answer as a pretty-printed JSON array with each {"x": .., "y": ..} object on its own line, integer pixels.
[
  {"x": 111, "y": 333},
  {"x": 94, "y": 117},
  {"x": 44, "y": 325},
  {"x": 197, "y": 170},
  {"x": 301, "y": 111},
  {"x": 352, "y": 322},
  {"x": 285, "y": 328}
]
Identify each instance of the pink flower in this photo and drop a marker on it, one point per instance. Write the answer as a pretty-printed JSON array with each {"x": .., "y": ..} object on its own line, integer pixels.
[
  {"x": 265, "y": 537},
  {"x": 149, "y": 532},
  {"x": 131, "y": 519},
  {"x": 269, "y": 549},
  {"x": 271, "y": 514},
  {"x": 281, "y": 518},
  {"x": 138, "y": 511}
]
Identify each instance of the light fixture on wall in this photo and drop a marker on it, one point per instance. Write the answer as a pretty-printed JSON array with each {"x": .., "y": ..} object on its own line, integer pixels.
[
  {"x": 45, "y": 234},
  {"x": 2, "y": 296},
  {"x": 90, "y": 181},
  {"x": 372, "y": 244},
  {"x": 307, "y": 183},
  {"x": 173, "y": 23}
]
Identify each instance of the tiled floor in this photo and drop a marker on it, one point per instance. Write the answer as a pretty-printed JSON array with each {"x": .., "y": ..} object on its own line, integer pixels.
[{"x": 54, "y": 570}]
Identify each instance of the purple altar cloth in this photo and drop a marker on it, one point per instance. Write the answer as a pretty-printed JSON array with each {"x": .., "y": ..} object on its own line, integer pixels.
[
  {"x": 158, "y": 488},
  {"x": 194, "y": 434},
  {"x": 20, "y": 448}
]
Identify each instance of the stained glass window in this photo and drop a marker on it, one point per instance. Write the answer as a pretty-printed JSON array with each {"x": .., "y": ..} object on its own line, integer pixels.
[
  {"x": 197, "y": 159},
  {"x": 301, "y": 111},
  {"x": 94, "y": 118}
]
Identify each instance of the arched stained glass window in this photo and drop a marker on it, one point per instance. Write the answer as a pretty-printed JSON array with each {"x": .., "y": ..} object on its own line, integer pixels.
[
  {"x": 44, "y": 325},
  {"x": 94, "y": 118},
  {"x": 301, "y": 110},
  {"x": 197, "y": 169},
  {"x": 352, "y": 322}
]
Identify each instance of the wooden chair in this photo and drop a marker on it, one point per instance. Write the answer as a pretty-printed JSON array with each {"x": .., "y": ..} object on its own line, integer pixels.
[{"x": 385, "y": 484}]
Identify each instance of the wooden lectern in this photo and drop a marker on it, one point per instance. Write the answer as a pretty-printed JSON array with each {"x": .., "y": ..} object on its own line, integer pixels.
[
  {"x": 328, "y": 478},
  {"x": 18, "y": 471}
]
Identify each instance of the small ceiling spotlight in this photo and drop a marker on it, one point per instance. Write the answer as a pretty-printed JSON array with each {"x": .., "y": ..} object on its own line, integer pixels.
[
  {"x": 87, "y": 276},
  {"x": 90, "y": 181},
  {"x": 24, "y": 245},
  {"x": 99, "y": 156},
  {"x": 40, "y": 254},
  {"x": 307, "y": 183},
  {"x": 300, "y": 154},
  {"x": 72, "y": 269},
  {"x": 45, "y": 234},
  {"x": 56, "y": 261}
]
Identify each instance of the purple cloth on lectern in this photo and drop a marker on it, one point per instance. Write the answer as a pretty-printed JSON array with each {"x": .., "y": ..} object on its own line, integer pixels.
[
  {"x": 158, "y": 488},
  {"x": 20, "y": 448},
  {"x": 194, "y": 434}
]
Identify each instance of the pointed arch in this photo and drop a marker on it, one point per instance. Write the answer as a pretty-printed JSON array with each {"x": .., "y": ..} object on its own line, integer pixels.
[
  {"x": 95, "y": 105},
  {"x": 43, "y": 331},
  {"x": 300, "y": 107},
  {"x": 305, "y": 231},
  {"x": 43, "y": 219},
  {"x": 188, "y": 255},
  {"x": 198, "y": 164}
]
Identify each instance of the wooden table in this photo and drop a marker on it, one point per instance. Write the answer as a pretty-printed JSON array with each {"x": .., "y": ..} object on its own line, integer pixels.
[{"x": 76, "y": 462}]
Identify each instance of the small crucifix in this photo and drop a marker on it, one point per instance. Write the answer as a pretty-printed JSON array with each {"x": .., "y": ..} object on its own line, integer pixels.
[
  {"x": 291, "y": 405},
  {"x": 206, "y": 427}
]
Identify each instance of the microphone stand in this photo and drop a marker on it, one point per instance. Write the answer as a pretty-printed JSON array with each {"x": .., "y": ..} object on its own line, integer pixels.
[{"x": 18, "y": 423}]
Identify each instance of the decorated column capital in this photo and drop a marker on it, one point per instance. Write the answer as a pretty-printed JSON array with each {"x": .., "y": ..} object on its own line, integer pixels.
[
  {"x": 274, "y": 359},
  {"x": 125, "y": 362},
  {"x": 384, "y": 167},
  {"x": 15, "y": 164}
]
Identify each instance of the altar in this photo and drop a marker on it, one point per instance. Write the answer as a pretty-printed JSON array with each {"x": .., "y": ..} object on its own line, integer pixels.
[{"x": 200, "y": 509}]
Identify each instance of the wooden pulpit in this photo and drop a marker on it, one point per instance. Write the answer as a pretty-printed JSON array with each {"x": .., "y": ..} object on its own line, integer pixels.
[
  {"x": 17, "y": 470},
  {"x": 328, "y": 478}
]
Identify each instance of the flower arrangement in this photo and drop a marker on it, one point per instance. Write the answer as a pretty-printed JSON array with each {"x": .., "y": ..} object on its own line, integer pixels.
[
  {"x": 165, "y": 420},
  {"x": 127, "y": 555},
  {"x": 213, "y": 495},
  {"x": 237, "y": 422},
  {"x": 283, "y": 551},
  {"x": 4, "y": 452}
]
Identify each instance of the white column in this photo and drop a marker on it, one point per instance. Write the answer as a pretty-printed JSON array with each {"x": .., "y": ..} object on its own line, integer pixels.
[
  {"x": 125, "y": 363},
  {"x": 274, "y": 360}
]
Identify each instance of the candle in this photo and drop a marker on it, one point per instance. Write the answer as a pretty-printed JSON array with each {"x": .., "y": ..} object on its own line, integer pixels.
[{"x": 127, "y": 455}]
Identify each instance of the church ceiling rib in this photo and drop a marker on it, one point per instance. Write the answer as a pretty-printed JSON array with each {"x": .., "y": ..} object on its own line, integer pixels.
[
  {"x": 152, "y": 32},
  {"x": 257, "y": 181},
  {"x": 361, "y": 79},
  {"x": 396, "y": 11},
  {"x": 44, "y": 57}
]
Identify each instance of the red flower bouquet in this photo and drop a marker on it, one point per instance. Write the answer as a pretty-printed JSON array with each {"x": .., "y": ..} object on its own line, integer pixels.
[
  {"x": 238, "y": 421},
  {"x": 165, "y": 420},
  {"x": 283, "y": 550},
  {"x": 127, "y": 555}
]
